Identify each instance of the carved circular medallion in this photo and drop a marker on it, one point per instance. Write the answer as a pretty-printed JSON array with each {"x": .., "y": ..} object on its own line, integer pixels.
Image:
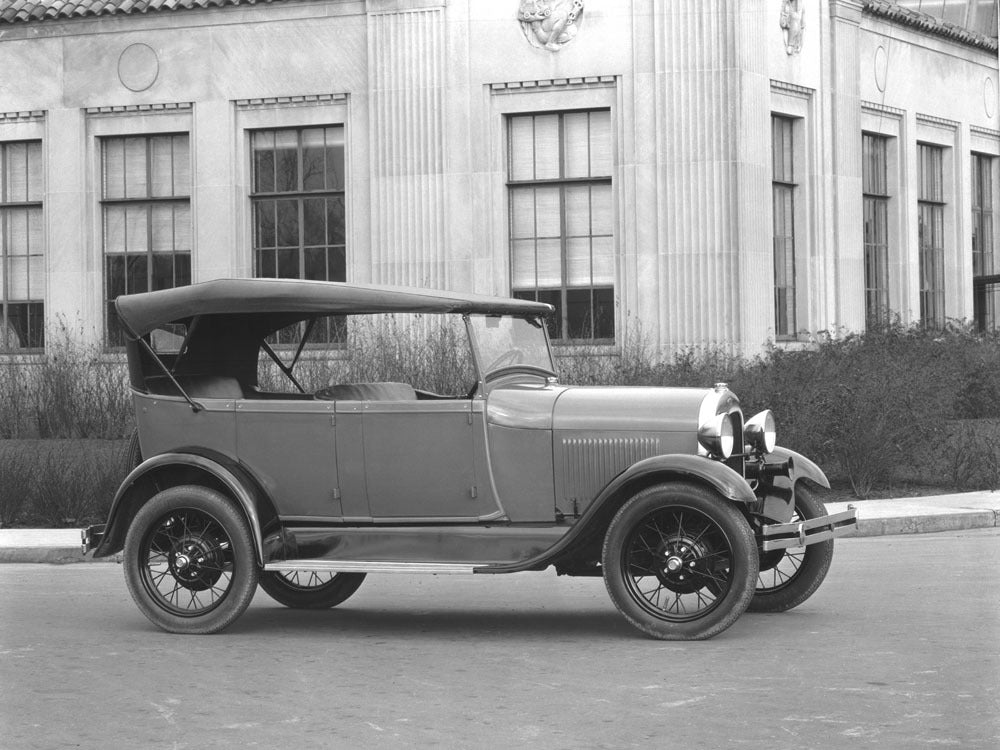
[
  {"x": 881, "y": 68},
  {"x": 990, "y": 97},
  {"x": 138, "y": 67}
]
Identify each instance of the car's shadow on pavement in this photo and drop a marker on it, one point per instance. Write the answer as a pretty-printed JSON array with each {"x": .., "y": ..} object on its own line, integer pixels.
[{"x": 481, "y": 623}]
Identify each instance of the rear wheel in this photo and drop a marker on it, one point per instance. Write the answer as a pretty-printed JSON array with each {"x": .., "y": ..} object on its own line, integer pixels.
[
  {"x": 790, "y": 576},
  {"x": 310, "y": 589},
  {"x": 189, "y": 560},
  {"x": 680, "y": 562}
]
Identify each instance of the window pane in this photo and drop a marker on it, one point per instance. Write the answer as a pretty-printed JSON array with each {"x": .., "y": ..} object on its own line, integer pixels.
[
  {"x": 161, "y": 158},
  {"x": 263, "y": 162},
  {"x": 182, "y": 165},
  {"x": 16, "y": 176},
  {"x": 288, "y": 264},
  {"x": 314, "y": 221},
  {"x": 577, "y": 144},
  {"x": 315, "y": 264},
  {"x": 547, "y": 147},
  {"x": 548, "y": 222},
  {"x": 335, "y": 159},
  {"x": 521, "y": 149},
  {"x": 36, "y": 177},
  {"x": 600, "y": 144},
  {"x": 163, "y": 271},
  {"x": 114, "y": 168},
  {"x": 15, "y": 241},
  {"x": 603, "y": 249},
  {"x": 17, "y": 277},
  {"x": 137, "y": 229},
  {"x": 522, "y": 213},
  {"x": 136, "y": 274},
  {"x": 335, "y": 221},
  {"x": 264, "y": 223},
  {"x": 337, "y": 263},
  {"x": 578, "y": 211},
  {"x": 182, "y": 227},
  {"x": 523, "y": 264},
  {"x": 286, "y": 161},
  {"x": 313, "y": 159},
  {"x": 267, "y": 263},
  {"x": 288, "y": 223},
  {"x": 549, "y": 263},
  {"x": 36, "y": 277},
  {"x": 136, "y": 184},
  {"x": 163, "y": 228},
  {"x": 578, "y": 262}
]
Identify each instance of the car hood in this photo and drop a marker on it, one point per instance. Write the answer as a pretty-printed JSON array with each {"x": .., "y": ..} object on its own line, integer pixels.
[{"x": 616, "y": 408}]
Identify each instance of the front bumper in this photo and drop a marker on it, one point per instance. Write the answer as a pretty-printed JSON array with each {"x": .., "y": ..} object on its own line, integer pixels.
[
  {"x": 91, "y": 537},
  {"x": 801, "y": 533}
]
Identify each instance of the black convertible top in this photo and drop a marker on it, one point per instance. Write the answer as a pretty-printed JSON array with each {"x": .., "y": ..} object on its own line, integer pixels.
[{"x": 141, "y": 313}]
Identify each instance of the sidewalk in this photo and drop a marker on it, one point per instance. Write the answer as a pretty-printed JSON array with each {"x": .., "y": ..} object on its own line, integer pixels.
[{"x": 917, "y": 515}]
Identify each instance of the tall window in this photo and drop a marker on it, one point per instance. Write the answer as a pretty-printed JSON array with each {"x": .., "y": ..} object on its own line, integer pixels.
[
  {"x": 783, "y": 187},
  {"x": 298, "y": 208},
  {"x": 22, "y": 247},
  {"x": 561, "y": 227},
  {"x": 876, "y": 216},
  {"x": 146, "y": 206},
  {"x": 986, "y": 283},
  {"x": 930, "y": 202}
]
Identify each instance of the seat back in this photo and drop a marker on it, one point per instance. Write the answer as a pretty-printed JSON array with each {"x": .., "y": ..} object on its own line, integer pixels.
[{"x": 367, "y": 392}]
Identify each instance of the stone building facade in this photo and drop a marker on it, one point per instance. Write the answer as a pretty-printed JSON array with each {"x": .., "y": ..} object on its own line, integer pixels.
[{"x": 719, "y": 172}]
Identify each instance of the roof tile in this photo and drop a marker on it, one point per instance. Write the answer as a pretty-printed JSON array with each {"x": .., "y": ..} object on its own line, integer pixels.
[{"x": 25, "y": 11}]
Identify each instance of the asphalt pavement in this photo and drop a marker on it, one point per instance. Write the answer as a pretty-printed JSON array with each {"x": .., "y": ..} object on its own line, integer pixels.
[{"x": 916, "y": 515}]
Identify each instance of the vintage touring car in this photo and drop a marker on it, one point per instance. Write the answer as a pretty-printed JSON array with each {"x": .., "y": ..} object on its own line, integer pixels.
[{"x": 689, "y": 512}]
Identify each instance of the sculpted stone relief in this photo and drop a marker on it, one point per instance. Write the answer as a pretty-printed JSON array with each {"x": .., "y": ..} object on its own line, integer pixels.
[
  {"x": 550, "y": 24},
  {"x": 792, "y": 25}
]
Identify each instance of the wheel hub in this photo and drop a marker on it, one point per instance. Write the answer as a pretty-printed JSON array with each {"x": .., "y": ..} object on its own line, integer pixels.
[
  {"x": 680, "y": 569},
  {"x": 196, "y": 563}
]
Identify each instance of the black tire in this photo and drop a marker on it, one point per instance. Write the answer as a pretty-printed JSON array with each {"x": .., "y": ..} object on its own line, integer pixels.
[
  {"x": 310, "y": 589},
  {"x": 680, "y": 562},
  {"x": 189, "y": 560},
  {"x": 132, "y": 455},
  {"x": 789, "y": 577}
]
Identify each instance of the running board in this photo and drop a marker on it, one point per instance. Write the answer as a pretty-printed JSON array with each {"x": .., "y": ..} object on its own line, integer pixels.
[{"x": 360, "y": 566}]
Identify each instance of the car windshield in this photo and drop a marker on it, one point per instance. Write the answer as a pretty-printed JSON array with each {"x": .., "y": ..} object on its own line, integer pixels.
[{"x": 502, "y": 342}]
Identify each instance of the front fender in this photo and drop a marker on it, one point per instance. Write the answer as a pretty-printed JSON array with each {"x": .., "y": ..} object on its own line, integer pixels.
[
  {"x": 800, "y": 466},
  {"x": 595, "y": 519},
  {"x": 776, "y": 486},
  {"x": 172, "y": 469}
]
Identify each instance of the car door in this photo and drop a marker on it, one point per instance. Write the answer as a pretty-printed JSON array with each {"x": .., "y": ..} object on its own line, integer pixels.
[{"x": 419, "y": 459}]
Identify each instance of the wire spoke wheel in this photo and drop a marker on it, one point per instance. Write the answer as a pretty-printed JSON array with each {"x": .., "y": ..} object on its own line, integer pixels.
[
  {"x": 788, "y": 577},
  {"x": 680, "y": 562},
  {"x": 189, "y": 560},
  {"x": 310, "y": 589}
]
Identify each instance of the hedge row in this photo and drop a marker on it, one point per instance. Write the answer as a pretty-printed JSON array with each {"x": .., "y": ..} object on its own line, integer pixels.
[{"x": 897, "y": 406}]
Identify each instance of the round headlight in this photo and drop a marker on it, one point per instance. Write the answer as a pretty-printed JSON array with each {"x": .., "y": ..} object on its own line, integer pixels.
[
  {"x": 760, "y": 432},
  {"x": 716, "y": 436}
]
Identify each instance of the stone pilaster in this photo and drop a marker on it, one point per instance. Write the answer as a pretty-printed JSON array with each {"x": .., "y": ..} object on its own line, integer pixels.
[{"x": 406, "y": 54}]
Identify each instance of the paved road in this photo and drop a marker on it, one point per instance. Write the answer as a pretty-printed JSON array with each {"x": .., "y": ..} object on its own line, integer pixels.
[{"x": 897, "y": 650}]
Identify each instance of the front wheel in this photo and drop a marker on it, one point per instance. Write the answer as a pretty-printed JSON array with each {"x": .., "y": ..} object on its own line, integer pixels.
[
  {"x": 680, "y": 562},
  {"x": 189, "y": 560},
  {"x": 790, "y": 576},
  {"x": 310, "y": 589}
]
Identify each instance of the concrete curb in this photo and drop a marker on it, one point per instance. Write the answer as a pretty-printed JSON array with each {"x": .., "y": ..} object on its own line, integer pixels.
[{"x": 923, "y": 515}]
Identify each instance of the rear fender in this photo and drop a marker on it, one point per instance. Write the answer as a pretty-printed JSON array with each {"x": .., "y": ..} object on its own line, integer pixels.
[{"x": 173, "y": 469}]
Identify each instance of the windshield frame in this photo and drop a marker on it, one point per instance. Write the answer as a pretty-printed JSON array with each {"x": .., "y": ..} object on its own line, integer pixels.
[{"x": 539, "y": 366}]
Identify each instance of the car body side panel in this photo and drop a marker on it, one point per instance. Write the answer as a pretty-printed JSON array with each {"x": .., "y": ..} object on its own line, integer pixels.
[
  {"x": 521, "y": 468},
  {"x": 168, "y": 423},
  {"x": 290, "y": 447},
  {"x": 586, "y": 461}
]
